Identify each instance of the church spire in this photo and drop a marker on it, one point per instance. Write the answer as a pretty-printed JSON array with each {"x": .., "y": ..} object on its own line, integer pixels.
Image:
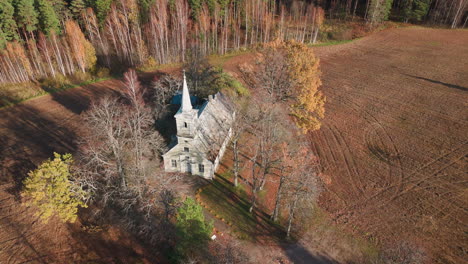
[{"x": 186, "y": 104}]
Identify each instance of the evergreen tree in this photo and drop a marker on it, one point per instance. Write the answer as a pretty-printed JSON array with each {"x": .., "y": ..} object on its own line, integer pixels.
[
  {"x": 7, "y": 22},
  {"x": 51, "y": 191},
  {"x": 195, "y": 6},
  {"x": 191, "y": 229},
  {"x": 3, "y": 39},
  {"x": 379, "y": 10},
  {"x": 416, "y": 9},
  {"x": 102, "y": 7},
  {"x": 76, "y": 7},
  {"x": 26, "y": 15},
  {"x": 61, "y": 9},
  {"x": 145, "y": 6},
  {"x": 47, "y": 17}
]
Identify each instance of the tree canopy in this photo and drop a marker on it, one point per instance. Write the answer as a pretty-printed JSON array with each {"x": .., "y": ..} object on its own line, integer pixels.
[
  {"x": 50, "y": 189},
  {"x": 193, "y": 232}
]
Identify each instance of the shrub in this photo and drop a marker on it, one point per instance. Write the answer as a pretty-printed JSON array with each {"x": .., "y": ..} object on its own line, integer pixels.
[
  {"x": 79, "y": 77},
  {"x": 149, "y": 64},
  {"x": 102, "y": 72},
  {"x": 54, "y": 83}
]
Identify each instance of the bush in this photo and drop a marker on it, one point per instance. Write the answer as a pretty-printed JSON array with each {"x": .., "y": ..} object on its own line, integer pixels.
[
  {"x": 102, "y": 72},
  {"x": 12, "y": 93},
  {"x": 149, "y": 64},
  {"x": 226, "y": 82},
  {"x": 79, "y": 77},
  {"x": 55, "y": 83}
]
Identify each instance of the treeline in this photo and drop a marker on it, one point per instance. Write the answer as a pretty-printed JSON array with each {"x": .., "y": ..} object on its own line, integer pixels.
[
  {"x": 37, "y": 42},
  {"x": 43, "y": 38}
]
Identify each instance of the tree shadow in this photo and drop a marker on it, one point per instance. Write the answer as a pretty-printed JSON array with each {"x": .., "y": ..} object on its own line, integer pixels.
[
  {"x": 79, "y": 99},
  {"x": 28, "y": 137},
  {"x": 297, "y": 254},
  {"x": 461, "y": 88}
]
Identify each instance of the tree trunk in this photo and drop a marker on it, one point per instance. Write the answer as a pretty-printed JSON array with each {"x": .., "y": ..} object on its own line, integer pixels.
[
  {"x": 291, "y": 215},
  {"x": 275, "y": 213},
  {"x": 315, "y": 35},
  {"x": 236, "y": 162}
]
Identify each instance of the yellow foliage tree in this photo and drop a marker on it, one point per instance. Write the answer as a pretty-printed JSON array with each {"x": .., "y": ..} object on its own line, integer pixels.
[
  {"x": 50, "y": 190},
  {"x": 82, "y": 50},
  {"x": 308, "y": 106}
]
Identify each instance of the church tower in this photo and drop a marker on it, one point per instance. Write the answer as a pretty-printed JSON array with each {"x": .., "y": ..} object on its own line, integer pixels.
[{"x": 186, "y": 117}]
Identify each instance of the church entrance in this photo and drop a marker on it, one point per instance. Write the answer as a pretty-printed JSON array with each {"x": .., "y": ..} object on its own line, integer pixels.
[{"x": 186, "y": 166}]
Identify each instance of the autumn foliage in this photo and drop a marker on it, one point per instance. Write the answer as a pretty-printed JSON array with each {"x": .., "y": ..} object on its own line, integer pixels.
[
  {"x": 289, "y": 72},
  {"x": 50, "y": 190},
  {"x": 308, "y": 106}
]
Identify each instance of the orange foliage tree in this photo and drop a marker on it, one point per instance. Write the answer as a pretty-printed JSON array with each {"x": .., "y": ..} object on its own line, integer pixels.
[{"x": 308, "y": 106}]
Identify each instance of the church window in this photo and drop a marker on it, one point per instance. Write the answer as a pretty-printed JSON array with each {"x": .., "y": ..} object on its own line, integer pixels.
[
  {"x": 186, "y": 149},
  {"x": 174, "y": 163},
  {"x": 201, "y": 168},
  {"x": 185, "y": 124}
]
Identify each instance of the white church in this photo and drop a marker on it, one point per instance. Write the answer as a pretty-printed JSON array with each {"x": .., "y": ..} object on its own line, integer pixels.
[{"x": 202, "y": 135}]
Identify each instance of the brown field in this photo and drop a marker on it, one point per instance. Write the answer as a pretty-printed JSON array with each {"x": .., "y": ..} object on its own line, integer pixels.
[
  {"x": 394, "y": 141},
  {"x": 393, "y": 144}
]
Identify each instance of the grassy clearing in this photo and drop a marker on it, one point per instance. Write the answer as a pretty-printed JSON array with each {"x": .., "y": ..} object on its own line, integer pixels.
[
  {"x": 230, "y": 205},
  {"x": 333, "y": 42},
  {"x": 220, "y": 60},
  {"x": 325, "y": 234},
  {"x": 11, "y": 94}
]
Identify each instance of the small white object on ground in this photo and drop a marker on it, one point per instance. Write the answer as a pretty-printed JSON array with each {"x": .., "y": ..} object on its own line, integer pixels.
[{"x": 213, "y": 237}]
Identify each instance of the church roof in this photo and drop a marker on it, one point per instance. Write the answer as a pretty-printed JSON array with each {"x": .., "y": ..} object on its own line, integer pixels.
[{"x": 215, "y": 119}]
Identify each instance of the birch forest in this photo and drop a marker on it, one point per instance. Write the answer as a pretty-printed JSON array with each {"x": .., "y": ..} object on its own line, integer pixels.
[{"x": 45, "y": 38}]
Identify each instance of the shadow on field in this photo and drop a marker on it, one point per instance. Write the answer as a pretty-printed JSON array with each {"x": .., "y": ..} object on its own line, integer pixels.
[
  {"x": 458, "y": 87},
  {"x": 297, "y": 254},
  {"x": 29, "y": 137}
]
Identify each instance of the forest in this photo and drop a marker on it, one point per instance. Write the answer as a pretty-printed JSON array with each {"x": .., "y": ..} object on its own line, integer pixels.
[{"x": 42, "y": 39}]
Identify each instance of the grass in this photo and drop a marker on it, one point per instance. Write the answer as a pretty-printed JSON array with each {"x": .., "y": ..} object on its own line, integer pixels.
[
  {"x": 12, "y": 94},
  {"x": 333, "y": 42},
  {"x": 220, "y": 60},
  {"x": 224, "y": 201}
]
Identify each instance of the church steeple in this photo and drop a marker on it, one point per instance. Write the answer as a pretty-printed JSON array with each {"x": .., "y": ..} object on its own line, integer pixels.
[{"x": 186, "y": 104}]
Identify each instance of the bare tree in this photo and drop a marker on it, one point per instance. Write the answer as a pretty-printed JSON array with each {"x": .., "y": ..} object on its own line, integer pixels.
[
  {"x": 164, "y": 89},
  {"x": 402, "y": 253},
  {"x": 301, "y": 189},
  {"x": 270, "y": 74}
]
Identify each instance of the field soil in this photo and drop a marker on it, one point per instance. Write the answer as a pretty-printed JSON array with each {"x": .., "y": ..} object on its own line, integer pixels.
[
  {"x": 394, "y": 140},
  {"x": 393, "y": 145}
]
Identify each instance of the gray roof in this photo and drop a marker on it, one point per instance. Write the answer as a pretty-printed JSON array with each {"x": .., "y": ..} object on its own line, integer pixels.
[{"x": 215, "y": 119}]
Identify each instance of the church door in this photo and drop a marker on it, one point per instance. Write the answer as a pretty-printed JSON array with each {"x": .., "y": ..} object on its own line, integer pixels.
[{"x": 186, "y": 165}]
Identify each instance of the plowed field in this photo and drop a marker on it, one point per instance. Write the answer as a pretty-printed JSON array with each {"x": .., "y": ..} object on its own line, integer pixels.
[{"x": 394, "y": 142}]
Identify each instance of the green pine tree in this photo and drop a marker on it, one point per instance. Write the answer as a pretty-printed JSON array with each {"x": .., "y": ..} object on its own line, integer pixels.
[
  {"x": 192, "y": 231},
  {"x": 3, "y": 39},
  {"x": 102, "y": 7},
  {"x": 379, "y": 10},
  {"x": 76, "y": 7},
  {"x": 416, "y": 10},
  {"x": 61, "y": 9},
  {"x": 26, "y": 15},
  {"x": 7, "y": 22},
  {"x": 195, "y": 6},
  {"x": 51, "y": 191},
  {"x": 48, "y": 18}
]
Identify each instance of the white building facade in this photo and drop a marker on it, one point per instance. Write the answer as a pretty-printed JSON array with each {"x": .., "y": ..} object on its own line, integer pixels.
[{"x": 202, "y": 135}]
